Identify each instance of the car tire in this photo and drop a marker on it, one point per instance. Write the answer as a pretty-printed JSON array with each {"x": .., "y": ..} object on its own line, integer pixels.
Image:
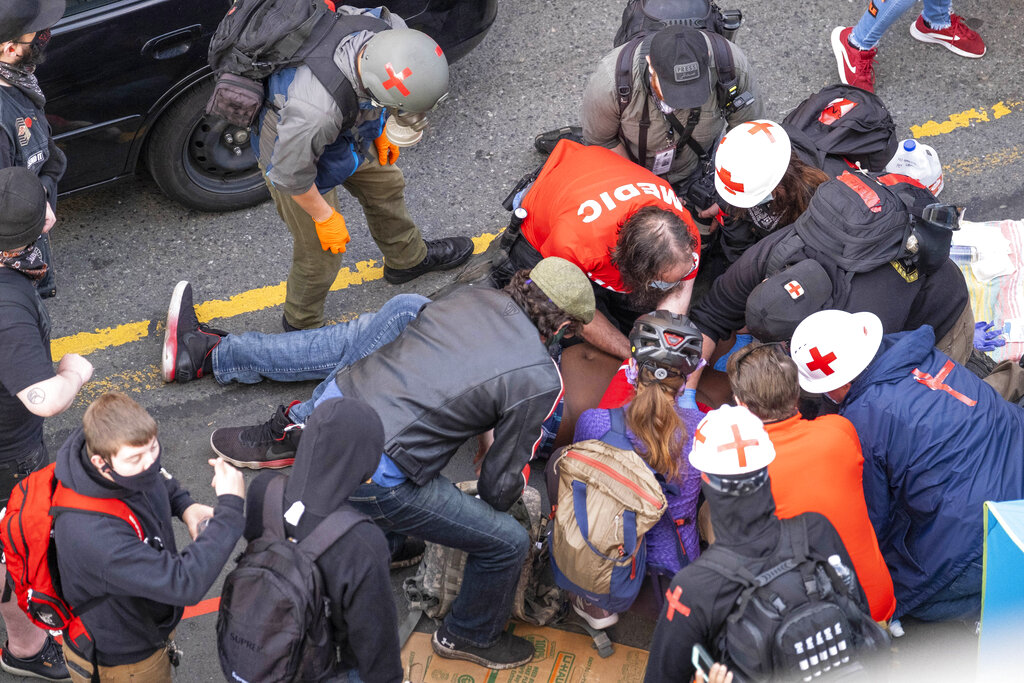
[{"x": 195, "y": 160}]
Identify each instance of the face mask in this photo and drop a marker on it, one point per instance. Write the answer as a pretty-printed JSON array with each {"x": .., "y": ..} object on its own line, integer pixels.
[
  {"x": 142, "y": 481},
  {"x": 555, "y": 344},
  {"x": 662, "y": 285}
]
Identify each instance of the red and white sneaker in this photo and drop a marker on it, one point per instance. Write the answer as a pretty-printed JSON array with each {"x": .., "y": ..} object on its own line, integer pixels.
[
  {"x": 959, "y": 37},
  {"x": 856, "y": 67}
]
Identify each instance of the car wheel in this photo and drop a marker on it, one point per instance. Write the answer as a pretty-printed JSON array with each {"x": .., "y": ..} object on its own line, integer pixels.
[{"x": 202, "y": 163}]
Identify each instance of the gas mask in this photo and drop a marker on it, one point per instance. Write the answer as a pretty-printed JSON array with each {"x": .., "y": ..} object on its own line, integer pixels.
[
  {"x": 931, "y": 233},
  {"x": 404, "y": 128}
]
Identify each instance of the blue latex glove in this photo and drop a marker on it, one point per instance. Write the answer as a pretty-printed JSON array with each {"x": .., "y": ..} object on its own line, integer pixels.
[
  {"x": 741, "y": 341},
  {"x": 987, "y": 339},
  {"x": 687, "y": 400}
]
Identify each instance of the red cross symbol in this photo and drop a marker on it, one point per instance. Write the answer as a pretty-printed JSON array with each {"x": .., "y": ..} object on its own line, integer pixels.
[
  {"x": 794, "y": 289},
  {"x": 396, "y": 79},
  {"x": 697, "y": 436},
  {"x": 766, "y": 128},
  {"x": 820, "y": 362},
  {"x": 730, "y": 184},
  {"x": 836, "y": 110},
  {"x": 674, "y": 605},
  {"x": 739, "y": 445},
  {"x": 936, "y": 383}
]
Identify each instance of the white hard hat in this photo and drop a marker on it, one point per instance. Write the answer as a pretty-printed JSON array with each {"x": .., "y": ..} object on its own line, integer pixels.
[
  {"x": 830, "y": 348},
  {"x": 731, "y": 441},
  {"x": 750, "y": 162}
]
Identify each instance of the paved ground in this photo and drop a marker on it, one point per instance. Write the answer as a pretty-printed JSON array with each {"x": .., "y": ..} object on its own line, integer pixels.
[{"x": 120, "y": 249}]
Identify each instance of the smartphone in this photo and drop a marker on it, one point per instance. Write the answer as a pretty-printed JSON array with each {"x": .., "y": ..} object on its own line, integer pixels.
[{"x": 702, "y": 660}]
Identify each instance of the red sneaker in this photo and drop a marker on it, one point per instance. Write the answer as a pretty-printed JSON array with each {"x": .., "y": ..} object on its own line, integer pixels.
[
  {"x": 959, "y": 37},
  {"x": 856, "y": 67}
]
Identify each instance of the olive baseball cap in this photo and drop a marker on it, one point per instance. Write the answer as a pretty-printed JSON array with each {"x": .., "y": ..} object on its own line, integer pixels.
[
  {"x": 18, "y": 17},
  {"x": 679, "y": 56},
  {"x": 566, "y": 285},
  {"x": 22, "y": 208}
]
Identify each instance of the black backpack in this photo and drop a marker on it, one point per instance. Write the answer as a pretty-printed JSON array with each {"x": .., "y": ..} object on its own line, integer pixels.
[
  {"x": 258, "y": 37},
  {"x": 798, "y": 619},
  {"x": 274, "y": 622},
  {"x": 840, "y": 127},
  {"x": 645, "y": 17}
]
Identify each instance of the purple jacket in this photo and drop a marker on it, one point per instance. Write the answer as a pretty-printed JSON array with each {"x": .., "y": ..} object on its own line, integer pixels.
[{"x": 681, "y": 493}]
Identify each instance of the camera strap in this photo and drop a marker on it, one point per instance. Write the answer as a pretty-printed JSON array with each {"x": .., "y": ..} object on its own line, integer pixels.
[{"x": 686, "y": 132}]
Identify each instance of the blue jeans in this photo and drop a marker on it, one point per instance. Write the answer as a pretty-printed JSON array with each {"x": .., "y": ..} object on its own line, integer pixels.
[
  {"x": 440, "y": 513},
  {"x": 870, "y": 29},
  {"x": 961, "y": 599},
  {"x": 311, "y": 354}
]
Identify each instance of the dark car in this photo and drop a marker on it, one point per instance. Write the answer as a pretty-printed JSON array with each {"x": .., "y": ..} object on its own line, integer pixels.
[{"x": 126, "y": 83}]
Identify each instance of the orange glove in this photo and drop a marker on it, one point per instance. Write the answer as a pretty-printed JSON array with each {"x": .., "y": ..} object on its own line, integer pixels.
[
  {"x": 387, "y": 151},
  {"x": 332, "y": 233}
]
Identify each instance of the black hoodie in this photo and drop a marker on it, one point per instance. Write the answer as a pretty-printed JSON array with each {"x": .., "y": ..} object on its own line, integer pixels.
[
  {"x": 747, "y": 525},
  {"x": 147, "y": 584},
  {"x": 340, "y": 449}
]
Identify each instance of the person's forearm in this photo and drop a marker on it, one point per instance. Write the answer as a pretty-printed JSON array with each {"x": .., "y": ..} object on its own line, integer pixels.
[
  {"x": 52, "y": 396},
  {"x": 601, "y": 333},
  {"x": 620, "y": 149},
  {"x": 313, "y": 203},
  {"x": 678, "y": 300}
]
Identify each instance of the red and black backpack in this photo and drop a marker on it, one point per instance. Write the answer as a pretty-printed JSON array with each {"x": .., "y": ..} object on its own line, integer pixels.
[{"x": 27, "y": 533}]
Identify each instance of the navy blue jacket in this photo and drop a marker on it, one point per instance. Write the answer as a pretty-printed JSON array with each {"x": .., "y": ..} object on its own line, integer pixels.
[
  {"x": 931, "y": 460},
  {"x": 146, "y": 585}
]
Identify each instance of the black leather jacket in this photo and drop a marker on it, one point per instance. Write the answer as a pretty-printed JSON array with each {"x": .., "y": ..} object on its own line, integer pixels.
[{"x": 469, "y": 362}]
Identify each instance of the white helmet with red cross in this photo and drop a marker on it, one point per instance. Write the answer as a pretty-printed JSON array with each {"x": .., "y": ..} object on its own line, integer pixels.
[
  {"x": 750, "y": 162},
  {"x": 830, "y": 348},
  {"x": 731, "y": 441}
]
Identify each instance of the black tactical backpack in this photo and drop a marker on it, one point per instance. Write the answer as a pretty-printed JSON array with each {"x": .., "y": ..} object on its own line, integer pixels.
[
  {"x": 644, "y": 17},
  {"x": 841, "y": 127},
  {"x": 798, "y": 619},
  {"x": 258, "y": 37},
  {"x": 274, "y": 621}
]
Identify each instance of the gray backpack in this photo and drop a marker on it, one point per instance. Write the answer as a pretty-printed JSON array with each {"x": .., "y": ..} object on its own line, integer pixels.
[{"x": 435, "y": 586}]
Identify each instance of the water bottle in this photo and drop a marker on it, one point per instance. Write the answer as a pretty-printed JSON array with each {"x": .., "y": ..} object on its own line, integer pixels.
[
  {"x": 845, "y": 574},
  {"x": 919, "y": 161}
]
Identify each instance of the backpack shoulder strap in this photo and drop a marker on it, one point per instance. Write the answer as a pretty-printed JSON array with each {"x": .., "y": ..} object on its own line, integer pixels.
[
  {"x": 318, "y": 55},
  {"x": 728, "y": 83},
  {"x": 66, "y": 499},
  {"x": 624, "y": 93},
  {"x": 616, "y": 435},
  {"x": 327, "y": 532},
  {"x": 273, "y": 507},
  {"x": 728, "y": 565}
]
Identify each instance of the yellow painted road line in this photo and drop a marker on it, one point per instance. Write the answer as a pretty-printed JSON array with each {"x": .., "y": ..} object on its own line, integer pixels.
[
  {"x": 966, "y": 119},
  {"x": 84, "y": 343},
  {"x": 973, "y": 165}
]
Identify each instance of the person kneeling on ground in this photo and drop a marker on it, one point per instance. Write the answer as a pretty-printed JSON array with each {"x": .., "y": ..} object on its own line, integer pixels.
[
  {"x": 139, "y": 589},
  {"x": 666, "y": 349},
  {"x": 938, "y": 442},
  {"x": 733, "y": 451},
  {"x": 818, "y": 465},
  {"x": 475, "y": 360},
  {"x": 622, "y": 225},
  {"x": 340, "y": 449}
]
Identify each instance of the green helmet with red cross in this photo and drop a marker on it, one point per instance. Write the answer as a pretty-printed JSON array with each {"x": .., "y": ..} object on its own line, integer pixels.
[{"x": 404, "y": 69}]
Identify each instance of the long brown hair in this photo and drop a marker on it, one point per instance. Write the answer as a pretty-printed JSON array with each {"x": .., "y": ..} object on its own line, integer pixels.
[
  {"x": 653, "y": 418},
  {"x": 793, "y": 193}
]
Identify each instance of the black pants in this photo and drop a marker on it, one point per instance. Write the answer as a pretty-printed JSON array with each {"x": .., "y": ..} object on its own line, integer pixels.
[{"x": 14, "y": 470}]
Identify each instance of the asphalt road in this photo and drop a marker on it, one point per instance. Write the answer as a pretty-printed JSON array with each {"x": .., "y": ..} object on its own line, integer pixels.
[{"x": 120, "y": 249}]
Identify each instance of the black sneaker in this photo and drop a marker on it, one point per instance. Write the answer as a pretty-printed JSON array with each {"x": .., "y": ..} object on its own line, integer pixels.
[
  {"x": 441, "y": 255},
  {"x": 545, "y": 142},
  {"x": 188, "y": 344},
  {"x": 410, "y": 553},
  {"x": 47, "y": 664},
  {"x": 287, "y": 326},
  {"x": 270, "y": 445},
  {"x": 509, "y": 652}
]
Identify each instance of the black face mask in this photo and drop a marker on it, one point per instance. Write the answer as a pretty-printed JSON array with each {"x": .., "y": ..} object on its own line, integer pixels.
[
  {"x": 36, "y": 52},
  {"x": 143, "y": 481}
]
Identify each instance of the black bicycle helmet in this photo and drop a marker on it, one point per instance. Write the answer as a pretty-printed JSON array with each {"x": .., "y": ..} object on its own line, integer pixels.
[{"x": 666, "y": 341}]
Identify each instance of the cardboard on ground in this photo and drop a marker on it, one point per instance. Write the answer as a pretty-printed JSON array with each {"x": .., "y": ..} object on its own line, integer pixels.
[{"x": 561, "y": 657}]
